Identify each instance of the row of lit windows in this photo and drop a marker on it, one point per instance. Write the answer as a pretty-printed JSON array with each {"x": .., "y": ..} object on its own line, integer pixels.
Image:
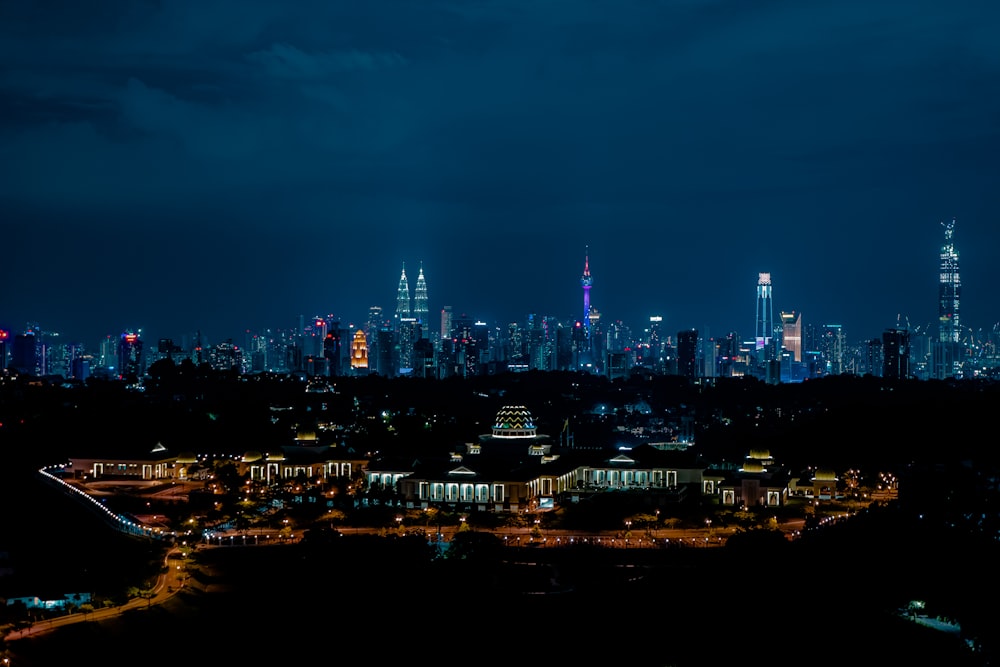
[
  {"x": 454, "y": 492},
  {"x": 633, "y": 477}
]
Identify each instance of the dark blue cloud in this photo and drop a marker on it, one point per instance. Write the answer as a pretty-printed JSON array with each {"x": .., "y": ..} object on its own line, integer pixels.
[{"x": 266, "y": 161}]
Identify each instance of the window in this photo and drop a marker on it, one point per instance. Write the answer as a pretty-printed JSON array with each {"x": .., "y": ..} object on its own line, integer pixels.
[
  {"x": 498, "y": 496},
  {"x": 451, "y": 492},
  {"x": 424, "y": 490},
  {"x": 437, "y": 491},
  {"x": 468, "y": 493},
  {"x": 482, "y": 493}
]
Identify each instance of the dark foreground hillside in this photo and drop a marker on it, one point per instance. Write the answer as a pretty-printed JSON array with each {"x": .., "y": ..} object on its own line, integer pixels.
[{"x": 383, "y": 601}]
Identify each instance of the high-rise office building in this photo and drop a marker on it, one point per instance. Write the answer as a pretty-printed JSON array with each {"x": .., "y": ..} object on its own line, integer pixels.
[
  {"x": 791, "y": 335},
  {"x": 764, "y": 328},
  {"x": 896, "y": 354},
  {"x": 375, "y": 322},
  {"x": 408, "y": 332},
  {"x": 446, "y": 315},
  {"x": 24, "y": 354},
  {"x": 687, "y": 354},
  {"x": 420, "y": 310},
  {"x": 949, "y": 289},
  {"x": 4, "y": 337},
  {"x": 226, "y": 356},
  {"x": 948, "y": 351},
  {"x": 873, "y": 361},
  {"x": 332, "y": 348},
  {"x": 832, "y": 348},
  {"x": 130, "y": 360}
]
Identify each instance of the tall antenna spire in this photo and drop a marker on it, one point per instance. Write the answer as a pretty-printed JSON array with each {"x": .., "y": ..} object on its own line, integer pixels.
[{"x": 586, "y": 281}]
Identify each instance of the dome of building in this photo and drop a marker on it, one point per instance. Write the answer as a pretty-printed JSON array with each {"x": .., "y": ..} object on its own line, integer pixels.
[{"x": 514, "y": 421}]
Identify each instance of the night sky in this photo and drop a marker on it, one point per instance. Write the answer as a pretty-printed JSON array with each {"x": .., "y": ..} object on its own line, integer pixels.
[{"x": 224, "y": 166}]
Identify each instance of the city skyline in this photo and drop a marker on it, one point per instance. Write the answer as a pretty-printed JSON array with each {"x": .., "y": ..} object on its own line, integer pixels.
[
  {"x": 412, "y": 303},
  {"x": 177, "y": 170}
]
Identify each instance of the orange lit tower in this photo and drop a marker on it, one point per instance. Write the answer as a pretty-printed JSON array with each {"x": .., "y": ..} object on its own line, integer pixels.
[{"x": 359, "y": 351}]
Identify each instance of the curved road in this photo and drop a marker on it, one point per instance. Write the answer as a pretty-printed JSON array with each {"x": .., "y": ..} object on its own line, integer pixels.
[{"x": 160, "y": 592}]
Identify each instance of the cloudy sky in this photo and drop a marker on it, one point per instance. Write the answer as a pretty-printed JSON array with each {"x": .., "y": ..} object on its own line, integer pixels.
[{"x": 222, "y": 166}]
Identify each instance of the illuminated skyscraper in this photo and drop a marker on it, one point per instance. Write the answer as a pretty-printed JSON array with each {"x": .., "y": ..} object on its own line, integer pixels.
[
  {"x": 375, "y": 322},
  {"x": 446, "y": 322},
  {"x": 949, "y": 289},
  {"x": 403, "y": 297},
  {"x": 765, "y": 319},
  {"x": 947, "y": 352},
  {"x": 585, "y": 351},
  {"x": 359, "y": 352},
  {"x": 332, "y": 346},
  {"x": 791, "y": 335},
  {"x": 420, "y": 303},
  {"x": 131, "y": 364},
  {"x": 4, "y": 337},
  {"x": 832, "y": 347}
]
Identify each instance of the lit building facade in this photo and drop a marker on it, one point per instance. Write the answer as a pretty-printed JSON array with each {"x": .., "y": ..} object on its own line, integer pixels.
[
  {"x": 130, "y": 360},
  {"x": 791, "y": 335},
  {"x": 359, "y": 352},
  {"x": 420, "y": 308},
  {"x": 764, "y": 327},
  {"x": 948, "y": 352},
  {"x": 896, "y": 354}
]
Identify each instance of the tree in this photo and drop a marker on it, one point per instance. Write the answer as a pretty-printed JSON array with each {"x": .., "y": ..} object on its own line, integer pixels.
[
  {"x": 475, "y": 546},
  {"x": 647, "y": 520},
  {"x": 146, "y": 592}
]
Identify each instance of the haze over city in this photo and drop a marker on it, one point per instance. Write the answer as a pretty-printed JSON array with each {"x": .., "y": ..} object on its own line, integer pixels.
[{"x": 231, "y": 166}]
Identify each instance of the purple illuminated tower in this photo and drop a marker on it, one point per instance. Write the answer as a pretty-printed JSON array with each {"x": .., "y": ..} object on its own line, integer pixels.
[{"x": 586, "y": 281}]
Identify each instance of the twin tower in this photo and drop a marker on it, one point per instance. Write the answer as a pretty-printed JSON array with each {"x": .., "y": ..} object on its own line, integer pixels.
[{"x": 419, "y": 311}]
